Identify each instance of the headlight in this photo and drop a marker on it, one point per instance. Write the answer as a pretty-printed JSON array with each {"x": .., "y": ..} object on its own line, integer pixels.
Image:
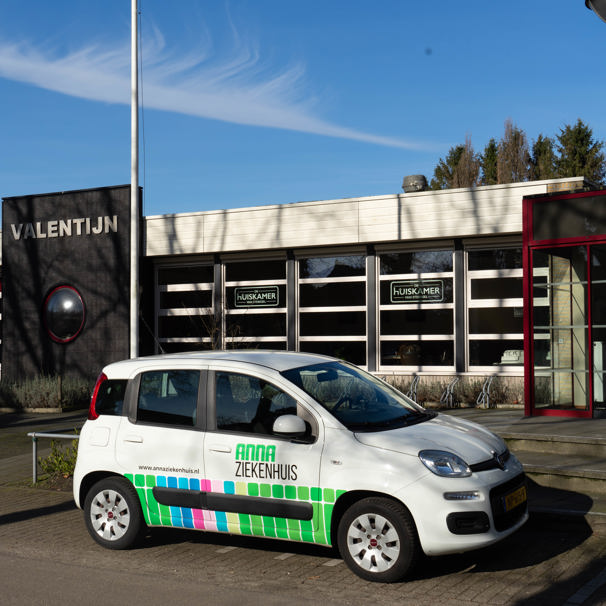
[{"x": 445, "y": 464}]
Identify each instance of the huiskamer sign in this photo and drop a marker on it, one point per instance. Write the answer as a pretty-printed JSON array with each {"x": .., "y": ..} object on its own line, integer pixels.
[
  {"x": 417, "y": 291},
  {"x": 257, "y": 296}
]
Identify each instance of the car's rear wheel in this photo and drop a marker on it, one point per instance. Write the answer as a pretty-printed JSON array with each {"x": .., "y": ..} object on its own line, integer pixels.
[
  {"x": 113, "y": 513},
  {"x": 378, "y": 540}
]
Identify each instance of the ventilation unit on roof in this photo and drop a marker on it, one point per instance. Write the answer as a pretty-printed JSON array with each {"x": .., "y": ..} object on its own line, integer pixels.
[{"x": 413, "y": 183}]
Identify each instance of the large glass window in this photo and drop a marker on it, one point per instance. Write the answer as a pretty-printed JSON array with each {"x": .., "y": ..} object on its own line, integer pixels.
[
  {"x": 416, "y": 309},
  {"x": 255, "y": 304},
  {"x": 185, "y": 316},
  {"x": 332, "y": 306},
  {"x": 495, "y": 309}
]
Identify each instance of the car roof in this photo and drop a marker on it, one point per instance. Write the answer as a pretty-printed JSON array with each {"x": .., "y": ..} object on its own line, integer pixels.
[{"x": 277, "y": 360}]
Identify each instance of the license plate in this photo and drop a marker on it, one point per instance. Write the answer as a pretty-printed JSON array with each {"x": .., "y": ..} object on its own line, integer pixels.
[{"x": 514, "y": 498}]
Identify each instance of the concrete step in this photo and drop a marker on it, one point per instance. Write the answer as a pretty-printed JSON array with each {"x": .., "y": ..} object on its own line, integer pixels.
[
  {"x": 582, "y": 474},
  {"x": 591, "y": 447}
]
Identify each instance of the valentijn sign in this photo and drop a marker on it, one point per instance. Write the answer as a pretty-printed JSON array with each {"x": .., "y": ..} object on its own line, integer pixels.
[
  {"x": 417, "y": 291},
  {"x": 256, "y": 296}
]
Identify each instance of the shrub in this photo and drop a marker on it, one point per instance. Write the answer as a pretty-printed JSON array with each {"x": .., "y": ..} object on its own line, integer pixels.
[
  {"x": 43, "y": 392},
  {"x": 61, "y": 461}
]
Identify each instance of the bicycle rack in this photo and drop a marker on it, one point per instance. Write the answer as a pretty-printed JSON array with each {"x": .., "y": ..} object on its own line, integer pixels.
[
  {"x": 483, "y": 399},
  {"x": 412, "y": 390},
  {"x": 447, "y": 397}
]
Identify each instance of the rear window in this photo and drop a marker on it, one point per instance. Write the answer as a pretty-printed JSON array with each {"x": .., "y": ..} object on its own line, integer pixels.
[{"x": 110, "y": 398}]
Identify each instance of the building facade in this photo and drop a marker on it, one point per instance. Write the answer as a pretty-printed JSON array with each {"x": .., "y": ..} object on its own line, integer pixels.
[{"x": 427, "y": 284}]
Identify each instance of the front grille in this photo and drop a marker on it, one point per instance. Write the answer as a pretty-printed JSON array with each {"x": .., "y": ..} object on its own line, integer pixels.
[
  {"x": 506, "y": 519},
  {"x": 495, "y": 462}
]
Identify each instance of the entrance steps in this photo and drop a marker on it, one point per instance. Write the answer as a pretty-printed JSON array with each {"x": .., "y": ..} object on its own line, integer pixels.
[
  {"x": 564, "y": 459},
  {"x": 562, "y": 462}
]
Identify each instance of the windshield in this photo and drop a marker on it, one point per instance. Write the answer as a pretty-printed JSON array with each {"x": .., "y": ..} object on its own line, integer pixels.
[{"x": 357, "y": 399}]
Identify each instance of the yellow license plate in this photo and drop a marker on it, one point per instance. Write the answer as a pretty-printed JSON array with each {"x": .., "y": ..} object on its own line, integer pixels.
[{"x": 515, "y": 498}]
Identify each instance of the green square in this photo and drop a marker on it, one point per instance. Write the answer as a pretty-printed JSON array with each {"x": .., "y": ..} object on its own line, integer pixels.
[
  {"x": 150, "y": 481},
  {"x": 269, "y": 526},
  {"x": 316, "y": 494},
  {"x": 265, "y": 490},
  {"x": 329, "y": 495},
  {"x": 281, "y": 528},
  {"x": 277, "y": 490},
  {"x": 253, "y": 490},
  {"x": 290, "y": 492},
  {"x": 303, "y": 492},
  {"x": 139, "y": 480}
]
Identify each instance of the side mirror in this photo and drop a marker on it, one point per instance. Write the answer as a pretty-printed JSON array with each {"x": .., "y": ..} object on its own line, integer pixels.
[{"x": 289, "y": 425}]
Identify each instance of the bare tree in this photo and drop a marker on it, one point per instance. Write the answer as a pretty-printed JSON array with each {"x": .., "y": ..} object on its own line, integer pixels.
[
  {"x": 467, "y": 170},
  {"x": 513, "y": 159}
]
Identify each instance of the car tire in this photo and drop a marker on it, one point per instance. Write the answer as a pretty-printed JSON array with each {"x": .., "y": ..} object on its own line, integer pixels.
[
  {"x": 378, "y": 540},
  {"x": 113, "y": 513}
]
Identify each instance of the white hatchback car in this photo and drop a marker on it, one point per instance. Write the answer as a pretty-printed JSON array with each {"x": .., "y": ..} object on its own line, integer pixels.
[{"x": 290, "y": 446}]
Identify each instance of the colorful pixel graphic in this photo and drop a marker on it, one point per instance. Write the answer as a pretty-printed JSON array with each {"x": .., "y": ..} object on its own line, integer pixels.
[{"x": 316, "y": 530}]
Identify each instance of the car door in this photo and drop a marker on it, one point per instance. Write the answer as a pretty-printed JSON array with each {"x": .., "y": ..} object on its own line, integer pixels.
[
  {"x": 159, "y": 443},
  {"x": 260, "y": 483}
]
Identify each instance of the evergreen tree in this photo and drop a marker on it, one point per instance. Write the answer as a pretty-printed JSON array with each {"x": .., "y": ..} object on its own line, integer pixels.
[
  {"x": 543, "y": 159},
  {"x": 443, "y": 174},
  {"x": 579, "y": 155},
  {"x": 513, "y": 159},
  {"x": 461, "y": 168},
  {"x": 489, "y": 163}
]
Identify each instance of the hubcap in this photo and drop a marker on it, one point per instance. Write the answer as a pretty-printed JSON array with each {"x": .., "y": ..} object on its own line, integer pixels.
[
  {"x": 373, "y": 542},
  {"x": 109, "y": 515}
]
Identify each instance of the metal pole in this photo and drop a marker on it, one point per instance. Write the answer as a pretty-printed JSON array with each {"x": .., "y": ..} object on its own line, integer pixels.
[
  {"x": 35, "y": 458},
  {"x": 134, "y": 186}
]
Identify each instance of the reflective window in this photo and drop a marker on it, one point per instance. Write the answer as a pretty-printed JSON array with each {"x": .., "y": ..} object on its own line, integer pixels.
[
  {"x": 416, "y": 309},
  {"x": 249, "y": 404},
  {"x": 168, "y": 397},
  {"x": 185, "y": 317},
  {"x": 495, "y": 309},
  {"x": 332, "y": 306},
  {"x": 255, "y": 304}
]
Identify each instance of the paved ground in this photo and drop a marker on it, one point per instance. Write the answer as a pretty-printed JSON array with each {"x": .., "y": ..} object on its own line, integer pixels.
[{"x": 552, "y": 560}]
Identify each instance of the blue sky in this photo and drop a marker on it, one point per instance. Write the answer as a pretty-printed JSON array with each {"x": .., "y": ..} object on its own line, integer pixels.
[{"x": 251, "y": 102}]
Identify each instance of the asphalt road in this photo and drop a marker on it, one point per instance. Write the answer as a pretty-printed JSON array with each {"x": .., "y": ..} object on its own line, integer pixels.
[{"x": 47, "y": 557}]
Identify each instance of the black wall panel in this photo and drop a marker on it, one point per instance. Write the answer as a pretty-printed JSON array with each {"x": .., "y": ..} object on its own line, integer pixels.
[{"x": 80, "y": 239}]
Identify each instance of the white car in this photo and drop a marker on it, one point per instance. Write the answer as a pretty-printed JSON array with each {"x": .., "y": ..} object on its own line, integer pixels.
[{"x": 290, "y": 446}]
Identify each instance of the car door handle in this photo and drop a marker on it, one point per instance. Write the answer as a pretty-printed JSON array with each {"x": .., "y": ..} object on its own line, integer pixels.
[
  {"x": 135, "y": 439},
  {"x": 219, "y": 448}
]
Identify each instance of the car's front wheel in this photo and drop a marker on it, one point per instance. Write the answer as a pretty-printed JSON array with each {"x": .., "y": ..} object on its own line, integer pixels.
[
  {"x": 113, "y": 513},
  {"x": 378, "y": 540}
]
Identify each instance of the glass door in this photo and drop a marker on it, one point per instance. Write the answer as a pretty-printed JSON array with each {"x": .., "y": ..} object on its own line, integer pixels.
[
  {"x": 560, "y": 329},
  {"x": 598, "y": 325}
]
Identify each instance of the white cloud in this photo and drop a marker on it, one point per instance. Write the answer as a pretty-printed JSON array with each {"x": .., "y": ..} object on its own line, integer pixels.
[{"x": 238, "y": 88}]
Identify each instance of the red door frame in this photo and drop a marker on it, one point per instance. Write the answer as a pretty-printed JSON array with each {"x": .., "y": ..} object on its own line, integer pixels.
[{"x": 529, "y": 245}]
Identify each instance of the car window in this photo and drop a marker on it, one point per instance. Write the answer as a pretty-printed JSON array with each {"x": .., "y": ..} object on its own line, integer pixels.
[
  {"x": 249, "y": 404},
  {"x": 356, "y": 398},
  {"x": 110, "y": 397},
  {"x": 168, "y": 397}
]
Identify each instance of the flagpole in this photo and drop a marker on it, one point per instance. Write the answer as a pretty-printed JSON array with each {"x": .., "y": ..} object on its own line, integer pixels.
[{"x": 134, "y": 185}]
